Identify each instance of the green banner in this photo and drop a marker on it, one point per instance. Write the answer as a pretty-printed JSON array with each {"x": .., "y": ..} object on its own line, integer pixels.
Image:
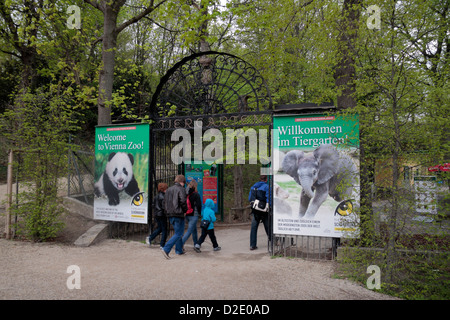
[
  {"x": 316, "y": 178},
  {"x": 307, "y": 132},
  {"x": 122, "y": 173}
]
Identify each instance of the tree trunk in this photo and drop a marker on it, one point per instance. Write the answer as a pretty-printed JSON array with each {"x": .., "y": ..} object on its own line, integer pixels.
[
  {"x": 344, "y": 81},
  {"x": 28, "y": 58},
  {"x": 106, "y": 77},
  {"x": 11, "y": 35},
  {"x": 110, "y": 10},
  {"x": 238, "y": 189},
  {"x": 392, "y": 223},
  {"x": 367, "y": 226},
  {"x": 345, "y": 70}
]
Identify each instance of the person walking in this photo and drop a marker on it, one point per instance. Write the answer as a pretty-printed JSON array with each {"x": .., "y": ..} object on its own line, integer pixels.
[
  {"x": 160, "y": 216},
  {"x": 193, "y": 214},
  {"x": 176, "y": 207},
  {"x": 208, "y": 215},
  {"x": 259, "y": 193}
]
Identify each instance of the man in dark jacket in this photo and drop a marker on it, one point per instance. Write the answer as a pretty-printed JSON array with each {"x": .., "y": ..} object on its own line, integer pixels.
[
  {"x": 260, "y": 191},
  {"x": 176, "y": 206}
]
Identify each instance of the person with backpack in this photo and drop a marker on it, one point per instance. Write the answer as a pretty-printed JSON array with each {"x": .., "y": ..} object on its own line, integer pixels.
[
  {"x": 194, "y": 204},
  {"x": 176, "y": 207},
  {"x": 207, "y": 225},
  {"x": 260, "y": 201},
  {"x": 160, "y": 216}
]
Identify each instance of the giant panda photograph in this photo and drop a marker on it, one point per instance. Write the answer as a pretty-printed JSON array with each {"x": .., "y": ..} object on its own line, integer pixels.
[{"x": 117, "y": 177}]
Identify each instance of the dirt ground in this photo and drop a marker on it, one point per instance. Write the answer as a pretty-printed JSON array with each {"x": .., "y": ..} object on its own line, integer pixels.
[{"x": 119, "y": 269}]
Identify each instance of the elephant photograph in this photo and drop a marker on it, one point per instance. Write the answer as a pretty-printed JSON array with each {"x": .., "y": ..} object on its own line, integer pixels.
[
  {"x": 325, "y": 173},
  {"x": 316, "y": 175}
]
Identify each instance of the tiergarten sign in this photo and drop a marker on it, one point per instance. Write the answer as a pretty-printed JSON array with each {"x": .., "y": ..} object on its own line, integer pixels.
[{"x": 316, "y": 166}]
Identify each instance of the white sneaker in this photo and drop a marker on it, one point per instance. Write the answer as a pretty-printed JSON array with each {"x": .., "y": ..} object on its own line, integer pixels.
[{"x": 166, "y": 255}]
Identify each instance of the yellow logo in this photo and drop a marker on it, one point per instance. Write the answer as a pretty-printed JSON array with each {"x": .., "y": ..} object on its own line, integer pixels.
[
  {"x": 344, "y": 208},
  {"x": 138, "y": 199}
]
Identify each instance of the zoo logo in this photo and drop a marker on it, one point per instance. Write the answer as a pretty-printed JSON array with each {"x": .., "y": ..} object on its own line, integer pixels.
[
  {"x": 138, "y": 199},
  {"x": 344, "y": 208}
]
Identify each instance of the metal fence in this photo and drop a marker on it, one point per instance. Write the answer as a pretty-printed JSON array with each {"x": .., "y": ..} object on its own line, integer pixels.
[
  {"x": 305, "y": 247},
  {"x": 80, "y": 176},
  {"x": 405, "y": 222}
]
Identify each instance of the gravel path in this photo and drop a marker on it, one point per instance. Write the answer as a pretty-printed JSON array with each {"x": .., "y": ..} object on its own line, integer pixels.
[{"x": 118, "y": 269}]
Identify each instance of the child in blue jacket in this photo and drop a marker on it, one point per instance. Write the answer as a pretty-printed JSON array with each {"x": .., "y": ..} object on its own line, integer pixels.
[{"x": 208, "y": 214}]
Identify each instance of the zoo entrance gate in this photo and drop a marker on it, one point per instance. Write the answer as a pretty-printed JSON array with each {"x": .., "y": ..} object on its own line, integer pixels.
[
  {"x": 164, "y": 170},
  {"x": 220, "y": 90}
]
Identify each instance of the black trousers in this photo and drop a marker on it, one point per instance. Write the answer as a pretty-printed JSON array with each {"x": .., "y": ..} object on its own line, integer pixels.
[
  {"x": 256, "y": 220},
  {"x": 211, "y": 235}
]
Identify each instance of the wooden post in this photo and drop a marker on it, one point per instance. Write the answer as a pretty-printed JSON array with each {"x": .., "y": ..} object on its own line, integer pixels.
[{"x": 9, "y": 183}]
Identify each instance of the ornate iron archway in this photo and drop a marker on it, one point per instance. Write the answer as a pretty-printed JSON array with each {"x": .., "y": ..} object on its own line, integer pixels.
[
  {"x": 217, "y": 88},
  {"x": 210, "y": 83}
]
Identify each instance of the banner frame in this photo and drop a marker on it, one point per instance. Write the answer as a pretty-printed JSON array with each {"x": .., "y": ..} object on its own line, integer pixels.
[
  {"x": 277, "y": 145},
  {"x": 129, "y": 208}
]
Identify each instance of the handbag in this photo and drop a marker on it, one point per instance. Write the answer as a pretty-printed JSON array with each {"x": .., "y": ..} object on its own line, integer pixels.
[
  {"x": 259, "y": 203},
  {"x": 204, "y": 224},
  {"x": 261, "y": 206}
]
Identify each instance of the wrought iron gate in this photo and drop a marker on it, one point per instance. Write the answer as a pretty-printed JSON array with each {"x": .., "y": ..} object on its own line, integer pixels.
[{"x": 216, "y": 90}]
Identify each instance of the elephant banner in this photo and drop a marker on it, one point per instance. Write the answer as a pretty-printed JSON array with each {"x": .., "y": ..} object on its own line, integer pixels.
[{"x": 316, "y": 175}]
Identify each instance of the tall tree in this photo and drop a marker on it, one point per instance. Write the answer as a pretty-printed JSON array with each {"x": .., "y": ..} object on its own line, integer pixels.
[
  {"x": 111, "y": 29},
  {"x": 40, "y": 113},
  {"x": 345, "y": 69},
  {"x": 345, "y": 81},
  {"x": 20, "y": 27}
]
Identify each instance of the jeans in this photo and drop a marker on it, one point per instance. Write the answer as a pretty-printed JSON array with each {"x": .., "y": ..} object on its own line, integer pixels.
[
  {"x": 256, "y": 219},
  {"x": 161, "y": 228},
  {"x": 211, "y": 235},
  {"x": 192, "y": 228},
  {"x": 175, "y": 240}
]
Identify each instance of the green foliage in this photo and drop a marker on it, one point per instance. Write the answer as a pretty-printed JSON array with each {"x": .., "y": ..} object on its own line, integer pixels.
[
  {"x": 401, "y": 82},
  {"x": 37, "y": 129},
  {"x": 49, "y": 88},
  {"x": 401, "y": 127},
  {"x": 39, "y": 218},
  {"x": 417, "y": 275},
  {"x": 293, "y": 44}
]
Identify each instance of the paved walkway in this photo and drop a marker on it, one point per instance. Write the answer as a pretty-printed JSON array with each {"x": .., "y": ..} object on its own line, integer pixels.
[{"x": 118, "y": 269}]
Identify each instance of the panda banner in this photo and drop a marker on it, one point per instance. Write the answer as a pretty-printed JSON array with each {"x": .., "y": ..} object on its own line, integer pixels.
[
  {"x": 316, "y": 178},
  {"x": 121, "y": 173}
]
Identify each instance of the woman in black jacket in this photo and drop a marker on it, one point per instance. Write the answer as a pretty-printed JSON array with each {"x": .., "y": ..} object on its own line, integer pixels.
[
  {"x": 195, "y": 212},
  {"x": 160, "y": 216}
]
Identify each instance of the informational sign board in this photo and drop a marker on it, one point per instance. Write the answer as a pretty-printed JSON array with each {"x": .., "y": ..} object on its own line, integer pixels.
[
  {"x": 426, "y": 194},
  {"x": 316, "y": 175},
  {"x": 122, "y": 173},
  {"x": 206, "y": 176}
]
